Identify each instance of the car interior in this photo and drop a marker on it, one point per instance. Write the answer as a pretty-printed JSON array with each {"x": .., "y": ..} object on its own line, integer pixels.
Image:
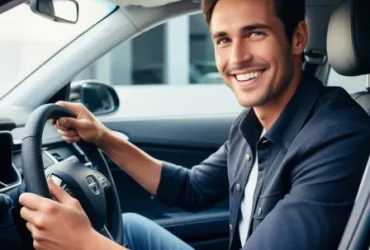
[{"x": 32, "y": 149}]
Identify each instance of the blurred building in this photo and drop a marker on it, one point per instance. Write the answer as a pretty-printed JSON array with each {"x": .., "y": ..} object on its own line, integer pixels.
[{"x": 177, "y": 52}]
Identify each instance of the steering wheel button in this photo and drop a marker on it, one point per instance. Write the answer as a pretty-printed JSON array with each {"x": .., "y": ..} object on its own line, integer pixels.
[
  {"x": 57, "y": 180},
  {"x": 69, "y": 191}
]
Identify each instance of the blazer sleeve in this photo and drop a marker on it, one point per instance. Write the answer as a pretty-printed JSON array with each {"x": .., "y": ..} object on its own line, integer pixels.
[
  {"x": 325, "y": 181},
  {"x": 197, "y": 188}
]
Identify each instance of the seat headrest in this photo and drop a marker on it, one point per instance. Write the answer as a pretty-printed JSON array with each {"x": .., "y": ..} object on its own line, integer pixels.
[{"x": 348, "y": 41}]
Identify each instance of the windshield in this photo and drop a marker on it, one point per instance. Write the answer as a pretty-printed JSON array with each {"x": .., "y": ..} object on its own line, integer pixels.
[{"x": 28, "y": 40}]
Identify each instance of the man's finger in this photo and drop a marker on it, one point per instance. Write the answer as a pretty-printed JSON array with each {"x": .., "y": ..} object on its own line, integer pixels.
[
  {"x": 28, "y": 214},
  {"x": 57, "y": 126},
  {"x": 37, "y": 235},
  {"x": 69, "y": 133},
  {"x": 63, "y": 197},
  {"x": 31, "y": 201},
  {"x": 68, "y": 122},
  {"x": 31, "y": 227},
  {"x": 58, "y": 193},
  {"x": 71, "y": 139}
]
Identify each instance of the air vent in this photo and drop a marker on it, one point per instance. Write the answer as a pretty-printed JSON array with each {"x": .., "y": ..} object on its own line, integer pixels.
[{"x": 57, "y": 157}]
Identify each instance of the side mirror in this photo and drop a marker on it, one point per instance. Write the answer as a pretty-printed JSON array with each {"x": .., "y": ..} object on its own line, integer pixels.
[
  {"x": 98, "y": 97},
  {"x": 64, "y": 11}
]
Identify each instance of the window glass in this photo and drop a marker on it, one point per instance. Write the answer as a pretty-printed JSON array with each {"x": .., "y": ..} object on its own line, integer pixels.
[
  {"x": 179, "y": 52},
  {"x": 29, "y": 40},
  {"x": 202, "y": 61}
]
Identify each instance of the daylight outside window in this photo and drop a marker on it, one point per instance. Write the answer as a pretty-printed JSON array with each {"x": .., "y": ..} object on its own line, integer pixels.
[
  {"x": 179, "y": 52},
  {"x": 28, "y": 40}
]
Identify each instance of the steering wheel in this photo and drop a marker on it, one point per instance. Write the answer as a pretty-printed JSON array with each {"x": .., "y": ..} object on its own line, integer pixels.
[{"x": 95, "y": 190}]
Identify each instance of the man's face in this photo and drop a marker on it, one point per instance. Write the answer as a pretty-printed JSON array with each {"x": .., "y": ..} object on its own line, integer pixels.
[{"x": 252, "y": 52}]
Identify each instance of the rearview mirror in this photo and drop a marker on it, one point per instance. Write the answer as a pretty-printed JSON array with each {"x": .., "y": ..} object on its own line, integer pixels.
[
  {"x": 98, "y": 97},
  {"x": 65, "y": 11}
]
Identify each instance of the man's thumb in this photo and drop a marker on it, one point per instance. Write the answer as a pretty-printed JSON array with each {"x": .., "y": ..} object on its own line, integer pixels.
[{"x": 57, "y": 192}]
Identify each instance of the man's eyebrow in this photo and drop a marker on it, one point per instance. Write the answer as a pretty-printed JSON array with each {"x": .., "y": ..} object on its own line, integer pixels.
[
  {"x": 249, "y": 27},
  {"x": 219, "y": 34},
  {"x": 255, "y": 26}
]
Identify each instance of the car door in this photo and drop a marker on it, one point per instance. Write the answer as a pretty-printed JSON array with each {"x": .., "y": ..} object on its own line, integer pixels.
[
  {"x": 173, "y": 106},
  {"x": 185, "y": 142}
]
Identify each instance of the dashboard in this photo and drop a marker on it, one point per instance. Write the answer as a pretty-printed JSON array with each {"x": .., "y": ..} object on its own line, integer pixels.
[
  {"x": 54, "y": 148},
  {"x": 11, "y": 175}
]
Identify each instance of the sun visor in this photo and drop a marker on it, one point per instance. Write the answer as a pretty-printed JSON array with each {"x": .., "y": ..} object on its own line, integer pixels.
[{"x": 144, "y": 3}]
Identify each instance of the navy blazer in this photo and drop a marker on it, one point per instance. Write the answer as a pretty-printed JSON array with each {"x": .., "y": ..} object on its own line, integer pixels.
[{"x": 310, "y": 164}]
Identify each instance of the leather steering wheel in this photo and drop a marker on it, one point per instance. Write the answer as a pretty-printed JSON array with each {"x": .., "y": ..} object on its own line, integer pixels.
[{"x": 95, "y": 189}]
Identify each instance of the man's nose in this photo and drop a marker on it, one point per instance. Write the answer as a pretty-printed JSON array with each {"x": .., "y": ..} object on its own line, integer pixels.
[{"x": 240, "y": 54}]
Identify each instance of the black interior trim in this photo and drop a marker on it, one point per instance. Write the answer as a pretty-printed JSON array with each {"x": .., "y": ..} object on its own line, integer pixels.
[{"x": 189, "y": 132}]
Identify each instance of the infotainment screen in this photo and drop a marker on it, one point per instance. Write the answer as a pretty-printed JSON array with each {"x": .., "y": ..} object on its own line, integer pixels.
[{"x": 7, "y": 172}]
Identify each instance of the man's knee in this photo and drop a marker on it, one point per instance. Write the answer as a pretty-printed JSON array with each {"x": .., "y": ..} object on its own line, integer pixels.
[
  {"x": 133, "y": 227},
  {"x": 132, "y": 221},
  {"x": 130, "y": 218}
]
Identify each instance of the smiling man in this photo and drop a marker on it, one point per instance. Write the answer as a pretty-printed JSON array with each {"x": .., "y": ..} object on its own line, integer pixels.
[
  {"x": 257, "y": 54},
  {"x": 292, "y": 164}
]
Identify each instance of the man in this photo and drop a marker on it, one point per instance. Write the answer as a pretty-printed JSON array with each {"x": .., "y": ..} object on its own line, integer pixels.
[{"x": 291, "y": 167}]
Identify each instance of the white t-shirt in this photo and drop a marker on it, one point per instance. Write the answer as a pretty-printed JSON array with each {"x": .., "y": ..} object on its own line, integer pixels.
[{"x": 247, "y": 201}]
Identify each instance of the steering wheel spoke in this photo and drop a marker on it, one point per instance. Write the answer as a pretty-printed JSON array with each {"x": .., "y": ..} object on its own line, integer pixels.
[
  {"x": 103, "y": 181},
  {"x": 105, "y": 232}
]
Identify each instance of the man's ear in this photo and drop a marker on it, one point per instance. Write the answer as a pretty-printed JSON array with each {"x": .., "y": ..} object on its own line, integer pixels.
[{"x": 300, "y": 38}]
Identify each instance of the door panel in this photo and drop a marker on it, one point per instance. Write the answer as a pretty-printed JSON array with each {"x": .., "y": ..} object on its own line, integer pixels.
[
  {"x": 186, "y": 142},
  {"x": 205, "y": 132}
]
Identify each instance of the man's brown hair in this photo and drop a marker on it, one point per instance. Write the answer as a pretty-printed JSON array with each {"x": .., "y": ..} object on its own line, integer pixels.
[{"x": 290, "y": 12}]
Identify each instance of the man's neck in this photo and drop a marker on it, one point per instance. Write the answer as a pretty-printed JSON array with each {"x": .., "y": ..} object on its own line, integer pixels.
[{"x": 268, "y": 113}]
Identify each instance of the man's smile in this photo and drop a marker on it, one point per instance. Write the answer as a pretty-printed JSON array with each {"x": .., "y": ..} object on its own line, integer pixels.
[
  {"x": 247, "y": 80},
  {"x": 248, "y": 76}
]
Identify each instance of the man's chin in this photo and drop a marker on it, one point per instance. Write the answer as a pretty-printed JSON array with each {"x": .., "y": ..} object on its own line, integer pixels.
[
  {"x": 247, "y": 103},
  {"x": 247, "y": 100}
]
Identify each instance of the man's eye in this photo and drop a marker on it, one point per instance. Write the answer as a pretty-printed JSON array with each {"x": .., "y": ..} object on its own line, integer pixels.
[
  {"x": 256, "y": 34},
  {"x": 222, "y": 41}
]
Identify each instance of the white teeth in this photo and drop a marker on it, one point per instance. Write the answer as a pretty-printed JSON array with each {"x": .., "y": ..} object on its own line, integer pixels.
[
  {"x": 240, "y": 77},
  {"x": 249, "y": 76}
]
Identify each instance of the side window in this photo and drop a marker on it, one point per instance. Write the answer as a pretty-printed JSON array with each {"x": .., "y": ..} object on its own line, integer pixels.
[
  {"x": 350, "y": 84},
  {"x": 179, "y": 52}
]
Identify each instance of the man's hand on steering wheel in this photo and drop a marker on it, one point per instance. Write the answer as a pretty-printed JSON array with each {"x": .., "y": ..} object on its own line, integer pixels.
[
  {"x": 85, "y": 126},
  {"x": 92, "y": 221},
  {"x": 60, "y": 224}
]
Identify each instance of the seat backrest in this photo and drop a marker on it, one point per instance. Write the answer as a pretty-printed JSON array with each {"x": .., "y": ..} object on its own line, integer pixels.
[
  {"x": 348, "y": 47},
  {"x": 350, "y": 24},
  {"x": 363, "y": 98}
]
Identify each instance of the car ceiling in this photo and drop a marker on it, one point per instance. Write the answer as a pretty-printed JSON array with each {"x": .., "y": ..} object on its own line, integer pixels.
[
  {"x": 9, "y": 4},
  {"x": 144, "y": 3},
  {"x": 151, "y": 3},
  {"x": 318, "y": 15}
]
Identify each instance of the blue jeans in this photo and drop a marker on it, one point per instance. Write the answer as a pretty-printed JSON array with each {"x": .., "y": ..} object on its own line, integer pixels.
[{"x": 141, "y": 233}]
